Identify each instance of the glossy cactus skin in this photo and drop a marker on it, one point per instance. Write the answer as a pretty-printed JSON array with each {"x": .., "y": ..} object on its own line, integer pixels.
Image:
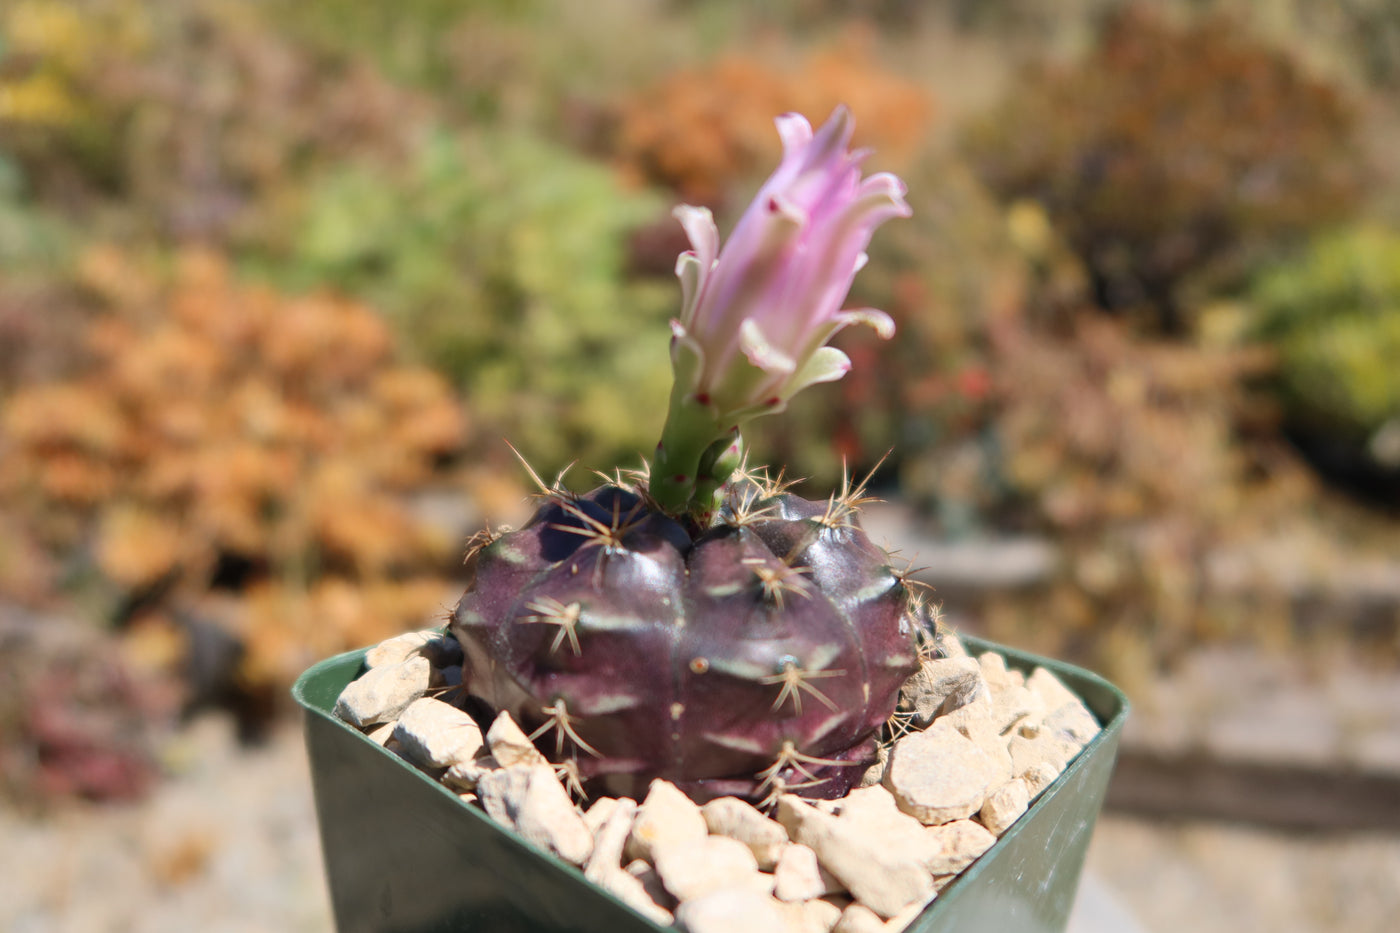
[{"x": 759, "y": 654}]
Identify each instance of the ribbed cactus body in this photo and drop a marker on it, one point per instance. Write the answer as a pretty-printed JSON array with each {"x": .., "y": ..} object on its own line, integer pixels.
[{"x": 761, "y": 653}]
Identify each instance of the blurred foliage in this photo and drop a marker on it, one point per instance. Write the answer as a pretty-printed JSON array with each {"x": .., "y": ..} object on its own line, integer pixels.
[
  {"x": 499, "y": 258},
  {"x": 179, "y": 119},
  {"x": 1172, "y": 152},
  {"x": 225, "y": 435},
  {"x": 701, "y": 129},
  {"x": 1126, "y": 450},
  {"x": 1334, "y": 315}
]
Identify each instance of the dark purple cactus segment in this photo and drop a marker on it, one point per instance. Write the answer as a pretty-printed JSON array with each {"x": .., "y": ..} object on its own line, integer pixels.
[{"x": 764, "y": 653}]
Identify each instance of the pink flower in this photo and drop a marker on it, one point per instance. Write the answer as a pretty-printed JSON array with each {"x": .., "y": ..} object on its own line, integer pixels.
[{"x": 758, "y": 313}]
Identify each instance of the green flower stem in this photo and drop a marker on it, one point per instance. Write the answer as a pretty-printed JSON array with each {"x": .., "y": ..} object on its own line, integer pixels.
[{"x": 685, "y": 464}]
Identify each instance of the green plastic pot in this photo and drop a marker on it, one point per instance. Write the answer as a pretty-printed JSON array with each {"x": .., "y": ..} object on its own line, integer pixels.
[{"x": 403, "y": 853}]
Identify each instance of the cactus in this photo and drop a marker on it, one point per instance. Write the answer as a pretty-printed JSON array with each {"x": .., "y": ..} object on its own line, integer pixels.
[
  {"x": 759, "y": 654},
  {"x": 697, "y": 621}
]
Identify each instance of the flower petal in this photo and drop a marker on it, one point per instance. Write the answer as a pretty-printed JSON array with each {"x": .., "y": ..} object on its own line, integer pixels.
[
  {"x": 692, "y": 276},
  {"x": 699, "y": 226},
  {"x": 761, "y": 353},
  {"x": 872, "y": 317},
  {"x": 794, "y": 131},
  {"x": 828, "y": 364}
]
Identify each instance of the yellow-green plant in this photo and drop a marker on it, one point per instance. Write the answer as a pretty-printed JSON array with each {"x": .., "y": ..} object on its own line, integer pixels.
[
  {"x": 1334, "y": 317},
  {"x": 500, "y": 259}
]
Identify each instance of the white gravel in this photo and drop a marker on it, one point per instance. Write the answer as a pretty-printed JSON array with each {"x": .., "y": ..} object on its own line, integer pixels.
[{"x": 229, "y": 845}]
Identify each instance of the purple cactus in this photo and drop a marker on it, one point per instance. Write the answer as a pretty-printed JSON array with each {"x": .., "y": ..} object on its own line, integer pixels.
[
  {"x": 718, "y": 632},
  {"x": 760, "y": 654}
]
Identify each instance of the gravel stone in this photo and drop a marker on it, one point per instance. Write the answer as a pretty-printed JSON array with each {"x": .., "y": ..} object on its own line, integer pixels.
[
  {"x": 735, "y": 911},
  {"x": 650, "y": 881},
  {"x": 942, "y": 684},
  {"x": 609, "y": 838},
  {"x": 1039, "y": 777},
  {"x": 598, "y": 812},
  {"x": 858, "y": 918},
  {"x": 1017, "y": 706},
  {"x": 1051, "y": 689},
  {"x": 1045, "y": 750},
  {"x": 531, "y": 801},
  {"x": 732, "y": 817},
  {"x": 797, "y": 876},
  {"x": 939, "y": 775},
  {"x": 995, "y": 672},
  {"x": 435, "y": 734},
  {"x": 440, "y": 648},
  {"x": 809, "y": 916},
  {"x": 465, "y": 775},
  {"x": 510, "y": 746},
  {"x": 382, "y": 693},
  {"x": 1074, "y": 723},
  {"x": 953, "y": 846},
  {"x": 874, "y": 812},
  {"x": 666, "y": 816},
  {"x": 691, "y": 870},
  {"x": 633, "y": 892},
  {"x": 882, "y": 878},
  {"x": 381, "y": 733},
  {"x": 1004, "y": 806}
]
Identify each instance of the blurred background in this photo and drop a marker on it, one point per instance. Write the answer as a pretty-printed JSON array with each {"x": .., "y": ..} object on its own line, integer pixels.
[{"x": 279, "y": 280}]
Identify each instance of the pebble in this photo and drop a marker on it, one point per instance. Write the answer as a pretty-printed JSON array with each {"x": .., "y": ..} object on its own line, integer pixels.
[
  {"x": 1039, "y": 777},
  {"x": 690, "y": 870},
  {"x": 874, "y": 812},
  {"x": 380, "y": 733},
  {"x": 797, "y": 876},
  {"x": 435, "y": 734},
  {"x": 382, "y": 693},
  {"x": 1073, "y": 723},
  {"x": 732, "y": 911},
  {"x": 633, "y": 892},
  {"x": 987, "y": 741},
  {"x": 1044, "y": 750},
  {"x": 1004, "y": 805},
  {"x": 882, "y": 878},
  {"x": 510, "y": 746},
  {"x": 609, "y": 838},
  {"x": 666, "y": 816},
  {"x": 1051, "y": 689},
  {"x": 951, "y": 681},
  {"x": 646, "y": 875},
  {"x": 465, "y": 775},
  {"x": 1015, "y": 707},
  {"x": 858, "y": 918},
  {"x": 737, "y": 819},
  {"x": 995, "y": 672},
  {"x": 951, "y": 847},
  {"x": 809, "y": 916},
  {"x": 531, "y": 801},
  {"x": 598, "y": 812},
  {"x": 440, "y": 648},
  {"x": 939, "y": 775}
]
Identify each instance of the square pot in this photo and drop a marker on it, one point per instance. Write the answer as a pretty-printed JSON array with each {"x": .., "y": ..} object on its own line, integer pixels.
[{"x": 403, "y": 853}]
